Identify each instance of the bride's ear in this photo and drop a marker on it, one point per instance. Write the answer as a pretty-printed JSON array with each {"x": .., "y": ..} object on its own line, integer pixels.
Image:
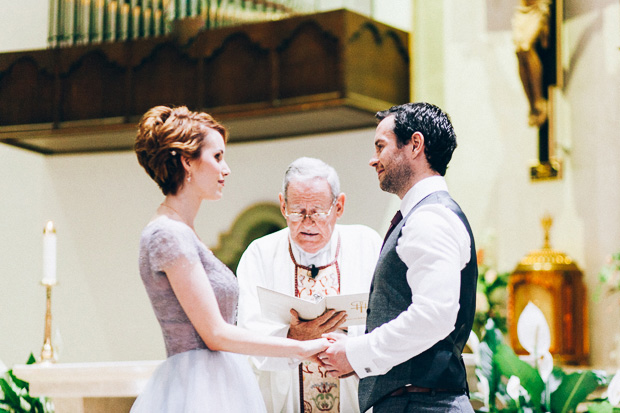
[{"x": 185, "y": 161}]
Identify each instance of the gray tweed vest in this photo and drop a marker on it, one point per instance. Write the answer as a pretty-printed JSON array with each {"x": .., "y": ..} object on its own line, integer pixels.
[{"x": 441, "y": 366}]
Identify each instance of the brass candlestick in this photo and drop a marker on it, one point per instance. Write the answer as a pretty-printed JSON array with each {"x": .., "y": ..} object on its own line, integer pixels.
[{"x": 47, "y": 352}]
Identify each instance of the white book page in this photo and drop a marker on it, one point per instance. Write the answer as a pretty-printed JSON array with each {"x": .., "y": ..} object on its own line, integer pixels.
[
  {"x": 354, "y": 304},
  {"x": 276, "y": 306}
]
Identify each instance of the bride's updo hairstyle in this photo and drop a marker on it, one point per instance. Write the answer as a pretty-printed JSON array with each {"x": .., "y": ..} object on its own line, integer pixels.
[{"x": 167, "y": 133}]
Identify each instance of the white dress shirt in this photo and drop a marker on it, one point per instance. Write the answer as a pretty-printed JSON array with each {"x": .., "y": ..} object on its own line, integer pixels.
[{"x": 435, "y": 246}]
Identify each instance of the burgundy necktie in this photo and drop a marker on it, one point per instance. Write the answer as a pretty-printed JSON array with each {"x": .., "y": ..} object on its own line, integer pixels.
[{"x": 397, "y": 218}]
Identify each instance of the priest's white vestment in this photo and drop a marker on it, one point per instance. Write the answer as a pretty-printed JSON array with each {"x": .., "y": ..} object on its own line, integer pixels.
[{"x": 267, "y": 263}]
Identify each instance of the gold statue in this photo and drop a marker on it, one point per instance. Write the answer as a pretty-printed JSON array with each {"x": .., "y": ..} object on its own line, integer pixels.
[{"x": 531, "y": 28}]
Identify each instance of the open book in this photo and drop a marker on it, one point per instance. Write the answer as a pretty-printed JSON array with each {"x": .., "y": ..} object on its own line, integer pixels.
[{"x": 276, "y": 306}]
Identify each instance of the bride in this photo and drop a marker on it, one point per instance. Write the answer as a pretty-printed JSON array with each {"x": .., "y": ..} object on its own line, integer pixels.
[{"x": 194, "y": 295}]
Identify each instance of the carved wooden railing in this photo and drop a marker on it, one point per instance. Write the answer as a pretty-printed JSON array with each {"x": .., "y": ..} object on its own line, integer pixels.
[{"x": 313, "y": 62}]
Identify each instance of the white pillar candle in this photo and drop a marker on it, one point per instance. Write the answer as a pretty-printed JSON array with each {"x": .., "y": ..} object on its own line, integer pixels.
[{"x": 49, "y": 254}]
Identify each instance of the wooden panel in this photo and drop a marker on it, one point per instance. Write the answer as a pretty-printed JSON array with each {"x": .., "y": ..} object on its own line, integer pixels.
[
  {"x": 26, "y": 94},
  {"x": 309, "y": 62},
  {"x": 308, "y": 70},
  {"x": 93, "y": 88},
  {"x": 166, "y": 77},
  {"x": 238, "y": 73},
  {"x": 377, "y": 64}
]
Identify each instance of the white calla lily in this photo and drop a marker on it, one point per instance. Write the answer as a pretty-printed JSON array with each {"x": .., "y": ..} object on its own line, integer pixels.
[
  {"x": 490, "y": 276},
  {"x": 613, "y": 390},
  {"x": 513, "y": 387},
  {"x": 473, "y": 342},
  {"x": 482, "y": 303},
  {"x": 533, "y": 330},
  {"x": 483, "y": 388},
  {"x": 545, "y": 365}
]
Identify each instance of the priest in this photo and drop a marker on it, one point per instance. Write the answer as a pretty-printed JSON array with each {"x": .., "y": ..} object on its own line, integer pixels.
[{"x": 313, "y": 257}]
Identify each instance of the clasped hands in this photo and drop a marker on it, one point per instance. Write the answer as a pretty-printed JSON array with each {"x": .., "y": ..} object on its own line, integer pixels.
[{"x": 334, "y": 358}]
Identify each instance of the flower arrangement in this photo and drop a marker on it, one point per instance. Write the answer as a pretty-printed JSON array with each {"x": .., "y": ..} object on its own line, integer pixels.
[
  {"x": 609, "y": 276},
  {"x": 609, "y": 283},
  {"x": 509, "y": 384},
  {"x": 15, "y": 397},
  {"x": 491, "y": 297}
]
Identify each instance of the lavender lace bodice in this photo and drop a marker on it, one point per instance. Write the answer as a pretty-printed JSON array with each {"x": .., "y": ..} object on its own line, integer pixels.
[{"x": 163, "y": 241}]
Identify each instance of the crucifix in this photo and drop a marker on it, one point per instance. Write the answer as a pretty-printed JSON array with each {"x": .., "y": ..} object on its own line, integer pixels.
[{"x": 537, "y": 34}]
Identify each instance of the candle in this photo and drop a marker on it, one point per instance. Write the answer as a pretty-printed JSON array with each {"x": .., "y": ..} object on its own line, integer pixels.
[{"x": 49, "y": 254}]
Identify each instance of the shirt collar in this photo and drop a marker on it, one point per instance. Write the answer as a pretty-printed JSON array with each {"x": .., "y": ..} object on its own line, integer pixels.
[
  {"x": 420, "y": 191},
  {"x": 322, "y": 257}
]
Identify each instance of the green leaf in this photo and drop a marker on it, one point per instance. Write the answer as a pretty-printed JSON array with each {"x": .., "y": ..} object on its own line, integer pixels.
[
  {"x": 492, "y": 339},
  {"x": 604, "y": 407},
  {"x": 575, "y": 388},
  {"x": 18, "y": 382},
  {"x": 10, "y": 396},
  {"x": 31, "y": 359},
  {"x": 509, "y": 364}
]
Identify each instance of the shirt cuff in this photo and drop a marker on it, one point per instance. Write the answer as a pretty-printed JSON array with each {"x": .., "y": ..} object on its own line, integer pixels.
[{"x": 358, "y": 354}]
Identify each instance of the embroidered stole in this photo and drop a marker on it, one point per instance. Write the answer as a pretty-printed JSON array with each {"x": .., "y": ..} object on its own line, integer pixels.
[{"x": 317, "y": 391}]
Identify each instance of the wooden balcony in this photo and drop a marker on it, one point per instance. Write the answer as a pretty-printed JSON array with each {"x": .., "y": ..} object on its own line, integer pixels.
[{"x": 308, "y": 74}]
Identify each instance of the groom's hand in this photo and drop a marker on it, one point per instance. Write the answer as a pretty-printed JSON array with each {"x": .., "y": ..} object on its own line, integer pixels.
[{"x": 335, "y": 357}]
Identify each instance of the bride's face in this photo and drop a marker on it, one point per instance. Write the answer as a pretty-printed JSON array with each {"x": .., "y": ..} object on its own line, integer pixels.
[{"x": 210, "y": 170}]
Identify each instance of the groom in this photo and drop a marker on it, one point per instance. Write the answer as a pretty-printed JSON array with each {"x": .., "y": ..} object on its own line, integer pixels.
[{"x": 422, "y": 300}]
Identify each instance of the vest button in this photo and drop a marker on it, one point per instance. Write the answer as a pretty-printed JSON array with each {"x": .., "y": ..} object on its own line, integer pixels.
[{"x": 367, "y": 311}]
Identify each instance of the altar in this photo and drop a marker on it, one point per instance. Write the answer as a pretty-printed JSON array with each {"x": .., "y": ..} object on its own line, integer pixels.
[{"x": 100, "y": 387}]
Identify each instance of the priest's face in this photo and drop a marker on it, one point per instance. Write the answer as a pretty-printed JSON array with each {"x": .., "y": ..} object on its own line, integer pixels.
[{"x": 311, "y": 213}]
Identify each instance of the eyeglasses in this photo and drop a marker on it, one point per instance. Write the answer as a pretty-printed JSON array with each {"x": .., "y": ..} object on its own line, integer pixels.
[{"x": 316, "y": 217}]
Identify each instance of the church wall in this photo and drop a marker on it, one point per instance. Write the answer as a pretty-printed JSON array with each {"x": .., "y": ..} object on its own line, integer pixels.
[
  {"x": 23, "y": 25},
  {"x": 100, "y": 203},
  {"x": 464, "y": 62},
  {"x": 22, "y": 299},
  {"x": 489, "y": 174}
]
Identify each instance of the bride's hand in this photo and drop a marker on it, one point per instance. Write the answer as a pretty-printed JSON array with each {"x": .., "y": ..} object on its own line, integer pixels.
[{"x": 311, "y": 347}]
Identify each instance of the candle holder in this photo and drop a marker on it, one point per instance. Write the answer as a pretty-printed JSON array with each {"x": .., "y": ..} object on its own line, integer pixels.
[
  {"x": 49, "y": 280},
  {"x": 47, "y": 352}
]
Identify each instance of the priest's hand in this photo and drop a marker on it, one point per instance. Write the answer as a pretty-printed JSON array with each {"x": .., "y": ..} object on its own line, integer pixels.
[
  {"x": 334, "y": 359},
  {"x": 310, "y": 330}
]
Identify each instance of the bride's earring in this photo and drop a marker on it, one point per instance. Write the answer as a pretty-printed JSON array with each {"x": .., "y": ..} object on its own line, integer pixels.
[{"x": 189, "y": 177}]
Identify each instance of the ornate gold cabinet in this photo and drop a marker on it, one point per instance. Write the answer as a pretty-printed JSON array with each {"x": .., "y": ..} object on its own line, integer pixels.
[{"x": 554, "y": 283}]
